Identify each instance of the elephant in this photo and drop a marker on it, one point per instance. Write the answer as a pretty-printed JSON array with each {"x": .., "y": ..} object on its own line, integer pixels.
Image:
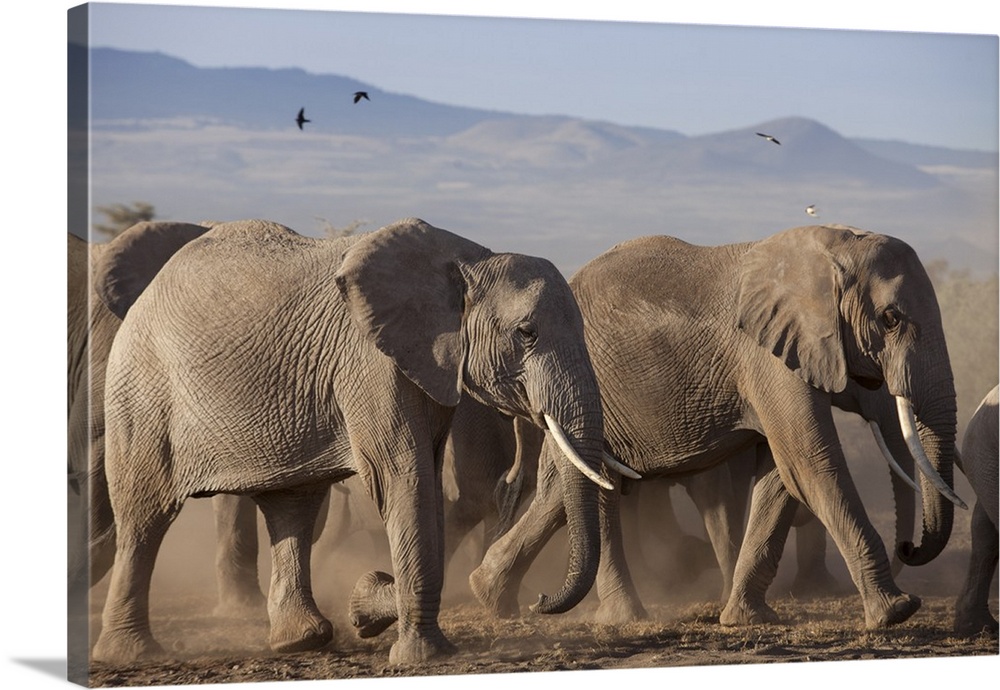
[
  {"x": 703, "y": 353},
  {"x": 91, "y": 329},
  {"x": 979, "y": 464},
  {"x": 720, "y": 493},
  {"x": 262, "y": 363}
]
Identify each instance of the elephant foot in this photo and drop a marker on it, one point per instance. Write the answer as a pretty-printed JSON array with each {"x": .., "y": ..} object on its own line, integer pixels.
[
  {"x": 372, "y": 606},
  {"x": 882, "y": 612},
  {"x": 499, "y": 600},
  {"x": 743, "y": 612},
  {"x": 417, "y": 648},
  {"x": 975, "y": 623},
  {"x": 126, "y": 647},
  {"x": 300, "y": 634},
  {"x": 619, "y": 611}
]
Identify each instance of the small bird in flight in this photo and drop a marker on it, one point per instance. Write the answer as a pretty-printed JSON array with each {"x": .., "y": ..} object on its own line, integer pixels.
[
  {"x": 301, "y": 119},
  {"x": 358, "y": 95},
  {"x": 811, "y": 210},
  {"x": 769, "y": 138}
]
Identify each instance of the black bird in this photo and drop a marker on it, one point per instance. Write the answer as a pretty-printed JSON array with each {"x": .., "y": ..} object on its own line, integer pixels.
[
  {"x": 769, "y": 138},
  {"x": 358, "y": 95},
  {"x": 301, "y": 119}
]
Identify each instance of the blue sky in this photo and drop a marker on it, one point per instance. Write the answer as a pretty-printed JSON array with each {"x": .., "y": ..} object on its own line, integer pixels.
[{"x": 926, "y": 88}]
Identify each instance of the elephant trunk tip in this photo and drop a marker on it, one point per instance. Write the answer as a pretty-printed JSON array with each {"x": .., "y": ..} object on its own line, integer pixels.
[
  {"x": 912, "y": 555},
  {"x": 545, "y": 605}
]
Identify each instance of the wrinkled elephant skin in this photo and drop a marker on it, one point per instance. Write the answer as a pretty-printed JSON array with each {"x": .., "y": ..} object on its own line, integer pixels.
[
  {"x": 262, "y": 363},
  {"x": 704, "y": 352},
  {"x": 979, "y": 463}
]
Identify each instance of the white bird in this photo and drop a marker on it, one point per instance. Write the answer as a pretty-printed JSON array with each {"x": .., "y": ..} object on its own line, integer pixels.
[
  {"x": 769, "y": 138},
  {"x": 811, "y": 210}
]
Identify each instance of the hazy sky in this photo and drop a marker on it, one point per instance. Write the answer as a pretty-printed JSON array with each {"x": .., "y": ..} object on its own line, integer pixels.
[{"x": 927, "y": 88}]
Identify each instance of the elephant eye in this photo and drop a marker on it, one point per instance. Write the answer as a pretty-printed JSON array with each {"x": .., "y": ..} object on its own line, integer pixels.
[
  {"x": 890, "y": 317},
  {"x": 527, "y": 333}
]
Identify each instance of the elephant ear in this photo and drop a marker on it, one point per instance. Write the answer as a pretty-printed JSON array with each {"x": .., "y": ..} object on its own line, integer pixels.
[
  {"x": 405, "y": 289},
  {"x": 128, "y": 263},
  {"x": 789, "y": 302}
]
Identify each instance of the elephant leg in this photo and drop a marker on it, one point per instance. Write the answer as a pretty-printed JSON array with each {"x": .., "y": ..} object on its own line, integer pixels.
[
  {"x": 972, "y": 611},
  {"x": 772, "y": 510},
  {"x": 125, "y": 633},
  {"x": 812, "y": 577},
  {"x": 102, "y": 518},
  {"x": 296, "y": 623},
  {"x": 236, "y": 557},
  {"x": 411, "y": 502},
  {"x": 615, "y": 588},
  {"x": 714, "y": 495},
  {"x": 811, "y": 463},
  {"x": 498, "y": 578}
]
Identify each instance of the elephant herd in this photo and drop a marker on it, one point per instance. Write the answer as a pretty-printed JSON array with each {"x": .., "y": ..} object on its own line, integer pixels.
[{"x": 246, "y": 362}]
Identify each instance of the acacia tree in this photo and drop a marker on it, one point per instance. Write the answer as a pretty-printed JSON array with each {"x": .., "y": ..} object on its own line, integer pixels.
[
  {"x": 330, "y": 231},
  {"x": 120, "y": 217}
]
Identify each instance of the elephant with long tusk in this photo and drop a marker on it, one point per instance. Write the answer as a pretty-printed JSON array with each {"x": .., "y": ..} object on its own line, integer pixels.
[{"x": 704, "y": 352}]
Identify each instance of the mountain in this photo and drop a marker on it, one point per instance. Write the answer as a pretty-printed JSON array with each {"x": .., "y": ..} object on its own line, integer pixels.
[
  {"x": 929, "y": 156},
  {"x": 216, "y": 143},
  {"x": 129, "y": 86}
]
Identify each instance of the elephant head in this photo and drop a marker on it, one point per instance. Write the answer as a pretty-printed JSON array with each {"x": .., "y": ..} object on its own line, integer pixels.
[
  {"x": 506, "y": 329},
  {"x": 837, "y": 304}
]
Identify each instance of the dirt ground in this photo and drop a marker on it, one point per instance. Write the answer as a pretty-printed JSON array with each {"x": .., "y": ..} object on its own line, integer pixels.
[{"x": 683, "y": 629}]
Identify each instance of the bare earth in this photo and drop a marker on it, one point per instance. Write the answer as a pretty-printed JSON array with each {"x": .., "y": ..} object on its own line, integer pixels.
[
  {"x": 211, "y": 650},
  {"x": 683, "y": 629}
]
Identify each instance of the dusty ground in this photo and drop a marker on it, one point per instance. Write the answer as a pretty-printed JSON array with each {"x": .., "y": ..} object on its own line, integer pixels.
[
  {"x": 209, "y": 650},
  {"x": 684, "y": 629}
]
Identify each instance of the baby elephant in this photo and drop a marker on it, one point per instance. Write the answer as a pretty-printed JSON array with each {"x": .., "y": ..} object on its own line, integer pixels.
[{"x": 979, "y": 462}]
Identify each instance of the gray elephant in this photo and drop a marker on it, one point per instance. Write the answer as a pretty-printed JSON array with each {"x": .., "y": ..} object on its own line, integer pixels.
[
  {"x": 979, "y": 463},
  {"x": 704, "y": 352},
  {"x": 263, "y": 363},
  {"x": 91, "y": 329},
  {"x": 483, "y": 485}
]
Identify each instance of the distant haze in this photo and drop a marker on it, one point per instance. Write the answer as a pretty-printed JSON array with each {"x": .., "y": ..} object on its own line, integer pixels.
[{"x": 221, "y": 143}]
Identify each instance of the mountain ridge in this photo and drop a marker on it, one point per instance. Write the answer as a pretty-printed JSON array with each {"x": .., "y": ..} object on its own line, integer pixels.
[{"x": 223, "y": 143}]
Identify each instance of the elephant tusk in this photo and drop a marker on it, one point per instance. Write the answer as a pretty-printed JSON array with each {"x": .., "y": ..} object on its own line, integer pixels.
[
  {"x": 619, "y": 467},
  {"x": 908, "y": 423},
  {"x": 877, "y": 433},
  {"x": 567, "y": 448}
]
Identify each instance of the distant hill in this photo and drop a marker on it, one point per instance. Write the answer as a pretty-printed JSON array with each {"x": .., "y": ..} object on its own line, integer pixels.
[
  {"x": 928, "y": 156},
  {"x": 216, "y": 143},
  {"x": 128, "y": 86}
]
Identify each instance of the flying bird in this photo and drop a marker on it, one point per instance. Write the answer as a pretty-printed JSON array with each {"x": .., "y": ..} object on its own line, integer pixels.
[
  {"x": 811, "y": 210},
  {"x": 358, "y": 95},
  {"x": 301, "y": 119},
  {"x": 769, "y": 138}
]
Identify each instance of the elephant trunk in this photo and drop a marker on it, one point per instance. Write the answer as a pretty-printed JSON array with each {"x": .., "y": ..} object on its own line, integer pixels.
[
  {"x": 575, "y": 427},
  {"x": 931, "y": 438}
]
